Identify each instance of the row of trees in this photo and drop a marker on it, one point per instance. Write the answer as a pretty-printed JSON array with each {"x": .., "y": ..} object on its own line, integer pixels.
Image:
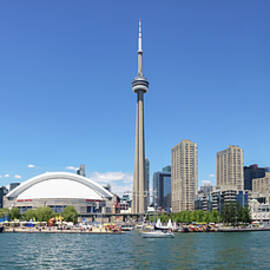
[
  {"x": 198, "y": 216},
  {"x": 232, "y": 213},
  {"x": 41, "y": 214}
]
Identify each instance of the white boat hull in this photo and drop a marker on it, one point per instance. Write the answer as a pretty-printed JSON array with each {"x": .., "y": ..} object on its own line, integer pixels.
[{"x": 157, "y": 234}]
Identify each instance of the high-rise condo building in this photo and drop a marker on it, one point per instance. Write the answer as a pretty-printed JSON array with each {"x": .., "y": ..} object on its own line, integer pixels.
[
  {"x": 140, "y": 87},
  {"x": 184, "y": 181},
  {"x": 230, "y": 173}
]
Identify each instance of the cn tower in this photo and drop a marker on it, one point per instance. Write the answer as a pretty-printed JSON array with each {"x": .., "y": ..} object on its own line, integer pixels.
[{"x": 140, "y": 87}]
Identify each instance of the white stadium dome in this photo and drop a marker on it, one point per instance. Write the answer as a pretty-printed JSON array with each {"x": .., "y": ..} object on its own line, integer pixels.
[
  {"x": 57, "y": 190},
  {"x": 59, "y": 185}
]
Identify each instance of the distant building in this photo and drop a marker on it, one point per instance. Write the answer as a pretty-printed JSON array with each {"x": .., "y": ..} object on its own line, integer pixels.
[
  {"x": 12, "y": 186},
  {"x": 262, "y": 185},
  {"x": 81, "y": 170},
  {"x": 204, "y": 198},
  {"x": 167, "y": 169},
  {"x": 125, "y": 204},
  {"x": 3, "y": 192},
  {"x": 230, "y": 174},
  {"x": 162, "y": 190},
  {"x": 220, "y": 197},
  {"x": 147, "y": 181},
  {"x": 184, "y": 176},
  {"x": 206, "y": 189},
  {"x": 251, "y": 172}
]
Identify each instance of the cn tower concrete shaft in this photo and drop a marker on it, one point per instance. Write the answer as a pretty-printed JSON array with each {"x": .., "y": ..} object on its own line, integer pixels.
[
  {"x": 140, "y": 87},
  {"x": 139, "y": 166}
]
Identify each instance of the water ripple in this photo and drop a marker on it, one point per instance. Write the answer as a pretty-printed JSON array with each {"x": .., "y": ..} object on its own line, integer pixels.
[{"x": 211, "y": 251}]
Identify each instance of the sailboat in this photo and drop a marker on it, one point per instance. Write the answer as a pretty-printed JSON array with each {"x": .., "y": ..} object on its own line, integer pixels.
[{"x": 159, "y": 231}]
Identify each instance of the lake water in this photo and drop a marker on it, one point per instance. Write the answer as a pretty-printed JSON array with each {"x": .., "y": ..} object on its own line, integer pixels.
[{"x": 249, "y": 250}]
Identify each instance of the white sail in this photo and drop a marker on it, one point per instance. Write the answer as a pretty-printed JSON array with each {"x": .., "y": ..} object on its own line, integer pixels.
[
  {"x": 169, "y": 225},
  {"x": 158, "y": 224}
]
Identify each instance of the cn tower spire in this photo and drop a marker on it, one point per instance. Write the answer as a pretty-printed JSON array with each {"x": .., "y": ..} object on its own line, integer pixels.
[
  {"x": 140, "y": 87},
  {"x": 140, "y": 51},
  {"x": 140, "y": 37}
]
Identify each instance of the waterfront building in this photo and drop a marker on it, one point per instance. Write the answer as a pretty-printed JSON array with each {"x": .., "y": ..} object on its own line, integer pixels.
[
  {"x": 125, "y": 204},
  {"x": 3, "y": 192},
  {"x": 259, "y": 212},
  {"x": 204, "y": 198},
  {"x": 162, "y": 190},
  {"x": 203, "y": 202},
  {"x": 58, "y": 190},
  {"x": 251, "y": 172},
  {"x": 140, "y": 87},
  {"x": 147, "y": 181},
  {"x": 221, "y": 197},
  {"x": 230, "y": 173},
  {"x": 184, "y": 176},
  {"x": 262, "y": 185}
]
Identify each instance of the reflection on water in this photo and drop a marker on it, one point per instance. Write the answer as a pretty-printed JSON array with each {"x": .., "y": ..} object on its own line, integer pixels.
[{"x": 219, "y": 251}]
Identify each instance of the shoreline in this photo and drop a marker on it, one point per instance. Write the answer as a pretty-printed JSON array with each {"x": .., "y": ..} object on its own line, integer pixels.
[{"x": 59, "y": 231}]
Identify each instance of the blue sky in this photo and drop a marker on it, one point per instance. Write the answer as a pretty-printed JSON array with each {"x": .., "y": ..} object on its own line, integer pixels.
[{"x": 65, "y": 84}]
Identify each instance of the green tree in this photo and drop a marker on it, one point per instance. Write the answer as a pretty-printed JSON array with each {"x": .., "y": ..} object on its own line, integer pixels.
[
  {"x": 14, "y": 213},
  {"x": 164, "y": 218},
  {"x": 70, "y": 214},
  {"x": 194, "y": 216},
  {"x": 207, "y": 217},
  {"x": 214, "y": 216},
  {"x": 230, "y": 213},
  {"x": 246, "y": 215},
  {"x": 29, "y": 215},
  {"x": 3, "y": 212},
  {"x": 200, "y": 216},
  {"x": 44, "y": 213}
]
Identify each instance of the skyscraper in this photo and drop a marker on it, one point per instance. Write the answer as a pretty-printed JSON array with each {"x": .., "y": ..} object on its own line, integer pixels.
[
  {"x": 140, "y": 87},
  {"x": 184, "y": 183},
  {"x": 162, "y": 190},
  {"x": 230, "y": 172}
]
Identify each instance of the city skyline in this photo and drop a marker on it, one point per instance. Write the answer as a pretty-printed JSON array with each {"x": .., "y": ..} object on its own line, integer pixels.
[{"x": 62, "y": 83}]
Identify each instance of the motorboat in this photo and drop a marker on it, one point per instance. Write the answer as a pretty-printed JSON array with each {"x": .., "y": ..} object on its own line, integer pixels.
[
  {"x": 158, "y": 234},
  {"x": 127, "y": 227}
]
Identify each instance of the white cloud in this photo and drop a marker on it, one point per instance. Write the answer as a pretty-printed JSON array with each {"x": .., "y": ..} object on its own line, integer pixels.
[
  {"x": 212, "y": 175},
  {"x": 206, "y": 182},
  {"x": 108, "y": 176},
  {"x": 71, "y": 168},
  {"x": 6, "y": 175},
  {"x": 31, "y": 166},
  {"x": 17, "y": 176},
  {"x": 0, "y": 176},
  {"x": 120, "y": 182}
]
